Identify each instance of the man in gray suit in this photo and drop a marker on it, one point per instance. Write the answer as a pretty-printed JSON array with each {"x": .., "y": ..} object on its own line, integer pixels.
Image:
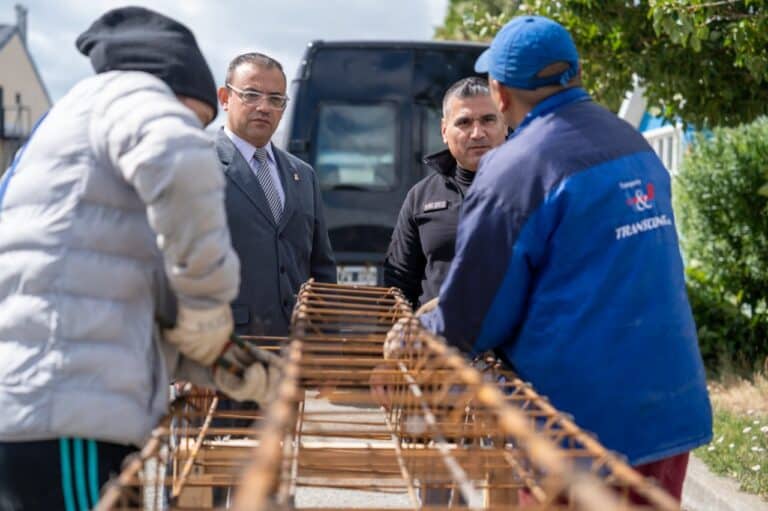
[{"x": 273, "y": 203}]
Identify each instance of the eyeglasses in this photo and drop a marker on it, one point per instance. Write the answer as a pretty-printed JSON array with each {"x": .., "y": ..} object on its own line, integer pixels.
[{"x": 252, "y": 97}]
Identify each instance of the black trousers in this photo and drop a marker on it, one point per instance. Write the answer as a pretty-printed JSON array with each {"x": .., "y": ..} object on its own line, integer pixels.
[{"x": 50, "y": 475}]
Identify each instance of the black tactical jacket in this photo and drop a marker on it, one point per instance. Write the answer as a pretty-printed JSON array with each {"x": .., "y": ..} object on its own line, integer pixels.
[{"x": 422, "y": 245}]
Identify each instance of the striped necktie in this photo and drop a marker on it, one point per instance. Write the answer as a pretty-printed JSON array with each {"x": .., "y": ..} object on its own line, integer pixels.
[{"x": 267, "y": 183}]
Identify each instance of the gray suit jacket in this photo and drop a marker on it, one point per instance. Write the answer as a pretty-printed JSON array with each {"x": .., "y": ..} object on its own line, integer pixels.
[{"x": 275, "y": 259}]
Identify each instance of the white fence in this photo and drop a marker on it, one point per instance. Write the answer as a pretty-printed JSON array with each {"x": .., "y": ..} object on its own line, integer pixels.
[{"x": 669, "y": 143}]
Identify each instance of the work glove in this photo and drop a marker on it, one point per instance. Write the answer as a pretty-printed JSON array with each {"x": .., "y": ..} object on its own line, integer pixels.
[
  {"x": 428, "y": 307},
  {"x": 201, "y": 334},
  {"x": 394, "y": 342},
  {"x": 243, "y": 372},
  {"x": 247, "y": 373}
]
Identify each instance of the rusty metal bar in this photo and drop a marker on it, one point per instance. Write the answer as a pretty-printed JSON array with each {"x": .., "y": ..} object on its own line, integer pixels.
[
  {"x": 453, "y": 426},
  {"x": 182, "y": 480},
  {"x": 429, "y": 422}
]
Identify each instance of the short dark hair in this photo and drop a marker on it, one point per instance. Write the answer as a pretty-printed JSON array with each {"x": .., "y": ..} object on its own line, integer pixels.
[
  {"x": 256, "y": 59},
  {"x": 466, "y": 88}
]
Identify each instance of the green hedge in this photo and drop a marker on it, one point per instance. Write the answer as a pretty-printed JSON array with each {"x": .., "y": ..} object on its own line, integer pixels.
[
  {"x": 728, "y": 338},
  {"x": 724, "y": 233}
]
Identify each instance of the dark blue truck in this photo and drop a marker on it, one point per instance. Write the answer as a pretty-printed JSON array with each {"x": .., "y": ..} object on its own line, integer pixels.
[{"x": 364, "y": 114}]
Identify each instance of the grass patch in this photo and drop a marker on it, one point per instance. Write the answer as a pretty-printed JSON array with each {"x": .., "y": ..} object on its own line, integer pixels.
[{"x": 739, "y": 449}]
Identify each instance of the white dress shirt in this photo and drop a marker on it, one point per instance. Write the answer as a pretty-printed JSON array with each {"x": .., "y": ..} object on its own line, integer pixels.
[{"x": 247, "y": 150}]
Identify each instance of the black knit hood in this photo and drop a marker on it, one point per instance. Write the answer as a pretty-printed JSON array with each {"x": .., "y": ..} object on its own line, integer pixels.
[{"x": 138, "y": 39}]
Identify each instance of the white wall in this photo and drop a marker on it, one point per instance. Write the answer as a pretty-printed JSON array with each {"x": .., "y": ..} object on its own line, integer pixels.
[{"x": 18, "y": 76}]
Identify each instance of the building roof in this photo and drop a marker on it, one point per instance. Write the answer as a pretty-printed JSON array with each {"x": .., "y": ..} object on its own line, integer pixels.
[{"x": 6, "y": 33}]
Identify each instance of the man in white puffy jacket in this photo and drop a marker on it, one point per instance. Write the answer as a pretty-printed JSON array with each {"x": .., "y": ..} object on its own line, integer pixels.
[{"x": 112, "y": 220}]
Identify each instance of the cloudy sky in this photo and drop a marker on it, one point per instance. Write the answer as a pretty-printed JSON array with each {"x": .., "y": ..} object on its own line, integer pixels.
[{"x": 224, "y": 28}]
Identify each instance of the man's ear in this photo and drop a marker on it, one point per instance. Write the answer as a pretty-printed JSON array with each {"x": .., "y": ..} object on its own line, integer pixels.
[
  {"x": 501, "y": 96},
  {"x": 442, "y": 130},
  {"x": 223, "y": 95},
  {"x": 508, "y": 98}
]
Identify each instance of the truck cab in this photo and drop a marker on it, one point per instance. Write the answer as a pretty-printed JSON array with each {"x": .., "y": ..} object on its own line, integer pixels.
[{"x": 364, "y": 114}]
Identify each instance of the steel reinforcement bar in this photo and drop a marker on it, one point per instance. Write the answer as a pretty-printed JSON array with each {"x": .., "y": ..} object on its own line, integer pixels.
[
  {"x": 427, "y": 429},
  {"x": 192, "y": 459}
]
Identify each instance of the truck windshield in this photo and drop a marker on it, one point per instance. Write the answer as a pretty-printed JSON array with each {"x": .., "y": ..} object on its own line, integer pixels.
[{"x": 356, "y": 146}]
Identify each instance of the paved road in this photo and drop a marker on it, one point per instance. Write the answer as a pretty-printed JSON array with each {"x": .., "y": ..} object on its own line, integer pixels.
[
  {"x": 705, "y": 491},
  {"x": 322, "y": 497}
]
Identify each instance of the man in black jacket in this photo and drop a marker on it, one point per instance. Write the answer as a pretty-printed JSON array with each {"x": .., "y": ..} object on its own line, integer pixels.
[{"x": 422, "y": 245}]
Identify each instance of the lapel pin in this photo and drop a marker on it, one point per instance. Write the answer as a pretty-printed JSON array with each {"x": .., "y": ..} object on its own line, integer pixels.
[{"x": 295, "y": 176}]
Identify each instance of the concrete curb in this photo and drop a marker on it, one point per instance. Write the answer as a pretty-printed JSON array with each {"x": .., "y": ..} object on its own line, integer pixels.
[{"x": 705, "y": 491}]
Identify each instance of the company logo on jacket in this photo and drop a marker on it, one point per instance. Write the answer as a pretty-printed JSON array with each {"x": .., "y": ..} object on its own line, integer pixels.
[{"x": 640, "y": 199}]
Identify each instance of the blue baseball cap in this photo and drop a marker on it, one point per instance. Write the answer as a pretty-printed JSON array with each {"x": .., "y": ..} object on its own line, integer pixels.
[{"x": 525, "y": 46}]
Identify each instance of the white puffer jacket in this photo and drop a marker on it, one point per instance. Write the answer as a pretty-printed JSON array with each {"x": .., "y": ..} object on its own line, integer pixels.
[{"x": 117, "y": 195}]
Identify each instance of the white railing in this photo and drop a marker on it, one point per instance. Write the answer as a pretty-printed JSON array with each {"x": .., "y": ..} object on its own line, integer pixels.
[{"x": 669, "y": 143}]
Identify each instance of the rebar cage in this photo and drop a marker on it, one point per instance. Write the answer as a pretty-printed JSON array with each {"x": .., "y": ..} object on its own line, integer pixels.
[
  {"x": 425, "y": 429},
  {"x": 436, "y": 430},
  {"x": 192, "y": 460}
]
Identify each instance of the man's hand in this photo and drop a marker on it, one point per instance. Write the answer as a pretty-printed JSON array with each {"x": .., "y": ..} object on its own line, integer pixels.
[
  {"x": 201, "y": 334},
  {"x": 243, "y": 372},
  {"x": 428, "y": 307},
  {"x": 394, "y": 342},
  {"x": 247, "y": 373}
]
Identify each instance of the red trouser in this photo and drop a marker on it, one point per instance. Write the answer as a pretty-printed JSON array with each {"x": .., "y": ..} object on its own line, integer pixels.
[{"x": 669, "y": 473}]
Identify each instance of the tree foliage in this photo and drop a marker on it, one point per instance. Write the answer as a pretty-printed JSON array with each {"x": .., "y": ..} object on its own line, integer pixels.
[
  {"x": 724, "y": 233},
  {"x": 705, "y": 62}
]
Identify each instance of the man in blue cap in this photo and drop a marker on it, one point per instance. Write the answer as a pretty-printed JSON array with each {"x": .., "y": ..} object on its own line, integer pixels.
[{"x": 581, "y": 286}]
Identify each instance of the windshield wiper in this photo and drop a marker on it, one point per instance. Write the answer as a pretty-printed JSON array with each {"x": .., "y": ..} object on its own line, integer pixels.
[{"x": 354, "y": 188}]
